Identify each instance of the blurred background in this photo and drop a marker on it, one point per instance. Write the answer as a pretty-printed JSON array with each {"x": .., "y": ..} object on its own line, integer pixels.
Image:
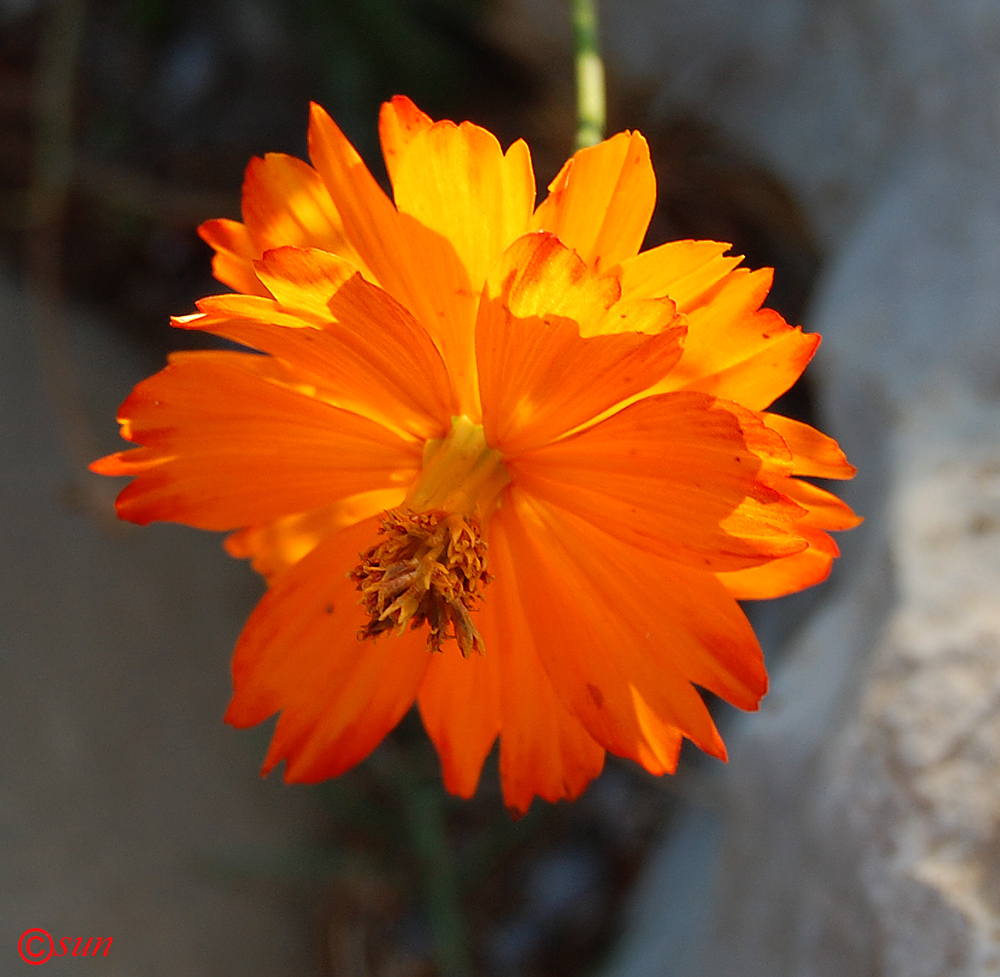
[{"x": 821, "y": 139}]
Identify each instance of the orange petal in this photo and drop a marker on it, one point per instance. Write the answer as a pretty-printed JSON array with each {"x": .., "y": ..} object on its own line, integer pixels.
[
  {"x": 299, "y": 653},
  {"x": 623, "y": 634},
  {"x": 227, "y": 445},
  {"x": 601, "y": 201},
  {"x": 304, "y": 280},
  {"x": 544, "y": 749},
  {"x": 232, "y": 263},
  {"x": 764, "y": 374},
  {"x": 276, "y": 546},
  {"x": 787, "y": 575},
  {"x": 738, "y": 351},
  {"x": 368, "y": 217},
  {"x": 823, "y": 510},
  {"x": 284, "y": 203},
  {"x": 398, "y": 122},
  {"x": 462, "y": 201},
  {"x": 455, "y": 180},
  {"x": 415, "y": 264},
  {"x": 813, "y": 453},
  {"x": 681, "y": 270},
  {"x": 460, "y": 705},
  {"x": 679, "y": 475},
  {"x": 820, "y": 511},
  {"x": 538, "y": 377},
  {"x": 371, "y": 356}
]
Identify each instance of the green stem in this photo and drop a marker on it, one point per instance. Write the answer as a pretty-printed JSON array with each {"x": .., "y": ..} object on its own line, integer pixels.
[
  {"x": 429, "y": 840},
  {"x": 590, "y": 103}
]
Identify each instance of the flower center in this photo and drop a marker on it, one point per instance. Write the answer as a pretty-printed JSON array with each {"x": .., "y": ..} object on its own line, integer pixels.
[{"x": 430, "y": 565}]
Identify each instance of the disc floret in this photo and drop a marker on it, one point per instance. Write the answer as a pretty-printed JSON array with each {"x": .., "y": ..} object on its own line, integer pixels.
[{"x": 430, "y": 565}]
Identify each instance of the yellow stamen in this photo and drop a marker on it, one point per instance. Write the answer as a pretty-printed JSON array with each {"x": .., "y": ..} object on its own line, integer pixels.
[{"x": 430, "y": 566}]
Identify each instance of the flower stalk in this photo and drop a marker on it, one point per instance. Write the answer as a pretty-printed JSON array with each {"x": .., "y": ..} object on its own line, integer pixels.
[{"x": 590, "y": 97}]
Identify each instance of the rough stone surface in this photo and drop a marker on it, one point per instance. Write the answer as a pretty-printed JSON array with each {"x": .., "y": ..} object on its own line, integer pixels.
[
  {"x": 834, "y": 94},
  {"x": 127, "y": 809},
  {"x": 860, "y": 819},
  {"x": 856, "y": 829}
]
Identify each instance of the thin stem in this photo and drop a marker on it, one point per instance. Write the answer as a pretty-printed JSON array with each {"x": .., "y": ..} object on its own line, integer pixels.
[
  {"x": 590, "y": 102},
  {"x": 429, "y": 840}
]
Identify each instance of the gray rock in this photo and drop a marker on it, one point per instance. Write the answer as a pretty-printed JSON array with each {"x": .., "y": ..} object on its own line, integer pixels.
[
  {"x": 127, "y": 809},
  {"x": 856, "y": 830}
]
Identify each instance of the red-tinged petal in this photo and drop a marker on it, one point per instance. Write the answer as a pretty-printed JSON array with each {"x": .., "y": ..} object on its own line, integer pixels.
[
  {"x": 276, "y": 546},
  {"x": 813, "y": 454},
  {"x": 304, "y": 280},
  {"x": 228, "y": 445},
  {"x": 284, "y": 204},
  {"x": 217, "y": 309},
  {"x": 623, "y": 634},
  {"x": 460, "y": 705},
  {"x": 823, "y": 510},
  {"x": 736, "y": 350},
  {"x": 460, "y": 198},
  {"x": 764, "y": 375},
  {"x": 234, "y": 256},
  {"x": 370, "y": 356},
  {"x": 820, "y": 511},
  {"x": 601, "y": 201},
  {"x": 680, "y": 475},
  {"x": 455, "y": 180},
  {"x": 398, "y": 122},
  {"x": 369, "y": 218},
  {"x": 787, "y": 575},
  {"x": 684, "y": 271},
  {"x": 544, "y": 749},
  {"x": 299, "y": 654},
  {"x": 538, "y": 276},
  {"x": 415, "y": 264},
  {"x": 538, "y": 377}
]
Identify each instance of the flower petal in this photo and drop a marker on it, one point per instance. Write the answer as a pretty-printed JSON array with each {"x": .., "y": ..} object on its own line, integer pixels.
[
  {"x": 416, "y": 265},
  {"x": 370, "y": 356},
  {"x": 460, "y": 705},
  {"x": 299, "y": 653},
  {"x": 304, "y": 280},
  {"x": 823, "y": 510},
  {"x": 455, "y": 180},
  {"x": 787, "y": 575},
  {"x": 398, "y": 122},
  {"x": 227, "y": 444},
  {"x": 736, "y": 350},
  {"x": 813, "y": 453},
  {"x": 623, "y": 634},
  {"x": 544, "y": 749},
  {"x": 368, "y": 216},
  {"x": 538, "y": 377},
  {"x": 601, "y": 201},
  {"x": 681, "y": 475},
  {"x": 681, "y": 270},
  {"x": 232, "y": 263},
  {"x": 274, "y": 547},
  {"x": 285, "y": 203},
  {"x": 820, "y": 511}
]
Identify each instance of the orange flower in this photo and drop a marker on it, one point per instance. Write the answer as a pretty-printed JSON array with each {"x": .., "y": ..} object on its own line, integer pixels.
[{"x": 482, "y": 421}]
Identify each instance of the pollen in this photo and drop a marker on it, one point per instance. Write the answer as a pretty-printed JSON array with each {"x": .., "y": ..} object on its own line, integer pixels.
[
  {"x": 430, "y": 564},
  {"x": 430, "y": 568}
]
